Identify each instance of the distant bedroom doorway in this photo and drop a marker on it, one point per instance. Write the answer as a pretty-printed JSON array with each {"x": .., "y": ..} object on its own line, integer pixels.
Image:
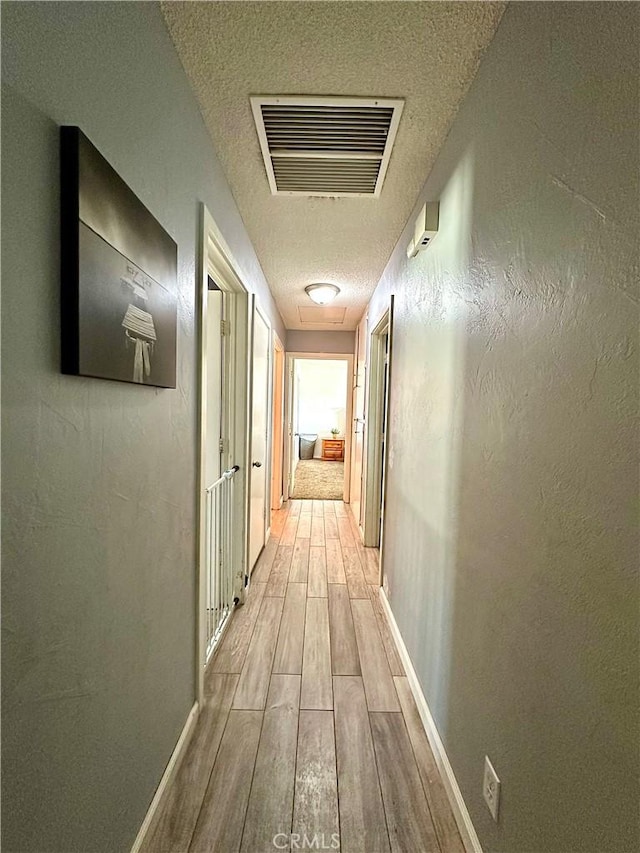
[{"x": 318, "y": 409}]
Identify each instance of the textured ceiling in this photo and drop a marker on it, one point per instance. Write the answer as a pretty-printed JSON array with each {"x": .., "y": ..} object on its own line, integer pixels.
[{"x": 424, "y": 52}]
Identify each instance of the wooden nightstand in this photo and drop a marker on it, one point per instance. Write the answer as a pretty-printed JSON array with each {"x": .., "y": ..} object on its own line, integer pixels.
[{"x": 333, "y": 448}]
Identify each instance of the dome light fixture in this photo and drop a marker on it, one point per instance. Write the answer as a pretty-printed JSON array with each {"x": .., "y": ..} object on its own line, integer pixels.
[{"x": 322, "y": 294}]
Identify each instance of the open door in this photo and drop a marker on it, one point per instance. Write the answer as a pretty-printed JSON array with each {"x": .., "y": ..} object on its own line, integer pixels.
[{"x": 259, "y": 479}]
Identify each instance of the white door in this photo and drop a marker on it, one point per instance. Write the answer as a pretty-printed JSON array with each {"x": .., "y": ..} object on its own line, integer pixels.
[{"x": 259, "y": 430}]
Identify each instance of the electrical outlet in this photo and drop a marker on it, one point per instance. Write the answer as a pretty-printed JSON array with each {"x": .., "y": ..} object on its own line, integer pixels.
[{"x": 491, "y": 788}]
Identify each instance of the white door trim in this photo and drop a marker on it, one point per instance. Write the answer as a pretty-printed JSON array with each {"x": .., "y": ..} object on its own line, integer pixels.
[
  {"x": 217, "y": 261},
  {"x": 377, "y": 413},
  {"x": 319, "y": 356}
]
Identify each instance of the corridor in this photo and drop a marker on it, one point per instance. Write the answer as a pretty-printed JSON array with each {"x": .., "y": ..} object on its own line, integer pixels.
[
  {"x": 309, "y": 737},
  {"x": 200, "y": 200}
]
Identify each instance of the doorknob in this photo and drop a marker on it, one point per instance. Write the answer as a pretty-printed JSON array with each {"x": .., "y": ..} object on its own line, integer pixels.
[{"x": 257, "y": 464}]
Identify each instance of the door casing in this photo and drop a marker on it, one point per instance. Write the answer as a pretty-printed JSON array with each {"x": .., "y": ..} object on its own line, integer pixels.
[
  {"x": 217, "y": 261},
  {"x": 358, "y": 459},
  {"x": 277, "y": 420},
  {"x": 265, "y": 471},
  {"x": 377, "y": 414},
  {"x": 315, "y": 356}
]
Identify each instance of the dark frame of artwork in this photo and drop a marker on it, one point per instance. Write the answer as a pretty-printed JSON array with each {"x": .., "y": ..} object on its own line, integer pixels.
[{"x": 118, "y": 275}]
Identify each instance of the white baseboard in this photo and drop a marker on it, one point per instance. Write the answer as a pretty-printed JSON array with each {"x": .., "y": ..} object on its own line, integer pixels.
[
  {"x": 460, "y": 812},
  {"x": 167, "y": 776}
]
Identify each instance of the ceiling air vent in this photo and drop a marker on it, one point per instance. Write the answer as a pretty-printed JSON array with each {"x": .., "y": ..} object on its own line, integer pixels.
[{"x": 326, "y": 146}]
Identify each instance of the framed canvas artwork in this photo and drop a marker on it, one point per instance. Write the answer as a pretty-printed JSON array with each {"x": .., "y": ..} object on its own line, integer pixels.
[{"x": 118, "y": 266}]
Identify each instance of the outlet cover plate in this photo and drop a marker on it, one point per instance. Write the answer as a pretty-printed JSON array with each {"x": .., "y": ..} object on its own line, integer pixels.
[{"x": 491, "y": 788}]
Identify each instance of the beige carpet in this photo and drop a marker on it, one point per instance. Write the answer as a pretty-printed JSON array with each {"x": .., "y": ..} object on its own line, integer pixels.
[{"x": 318, "y": 479}]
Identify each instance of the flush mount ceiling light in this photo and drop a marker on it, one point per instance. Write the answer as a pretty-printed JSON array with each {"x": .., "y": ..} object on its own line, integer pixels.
[{"x": 322, "y": 294}]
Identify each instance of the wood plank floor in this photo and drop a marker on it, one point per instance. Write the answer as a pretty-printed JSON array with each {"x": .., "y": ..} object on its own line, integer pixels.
[{"x": 309, "y": 728}]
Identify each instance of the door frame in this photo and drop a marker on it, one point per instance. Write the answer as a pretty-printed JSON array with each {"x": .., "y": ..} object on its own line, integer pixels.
[
  {"x": 377, "y": 413},
  {"x": 217, "y": 261},
  {"x": 318, "y": 356},
  {"x": 255, "y": 307},
  {"x": 277, "y": 422},
  {"x": 360, "y": 374}
]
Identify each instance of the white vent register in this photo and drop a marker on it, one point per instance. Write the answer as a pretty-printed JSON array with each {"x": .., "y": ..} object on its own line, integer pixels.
[{"x": 315, "y": 146}]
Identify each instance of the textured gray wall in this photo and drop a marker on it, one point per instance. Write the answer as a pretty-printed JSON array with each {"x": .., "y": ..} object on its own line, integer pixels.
[
  {"x": 98, "y": 477},
  {"x": 304, "y": 341},
  {"x": 513, "y": 556}
]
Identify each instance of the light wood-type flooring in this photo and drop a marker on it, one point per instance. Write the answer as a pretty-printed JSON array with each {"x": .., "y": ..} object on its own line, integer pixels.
[{"x": 309, "y": 737}]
